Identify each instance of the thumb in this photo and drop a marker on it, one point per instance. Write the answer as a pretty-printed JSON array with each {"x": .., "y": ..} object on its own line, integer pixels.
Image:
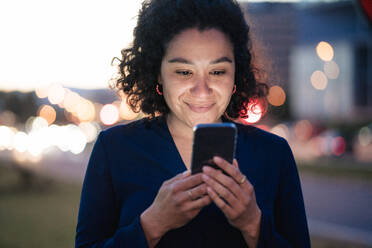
[
  {"x": 179, "y": 176},
  {"x": 235, "y": 163},
  {"x": 185, "y": 174}
]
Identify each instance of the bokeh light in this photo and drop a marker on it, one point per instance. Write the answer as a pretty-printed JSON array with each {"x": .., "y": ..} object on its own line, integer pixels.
[
  {"x": 319, "y": 80},
  {"x": 281, "y": 130},
  {"x": 303, "y": 130},
  {"x": 338, "y": 146},
  {"x": 276, "y": 96},
  {"x": 325, "y": 51},
  {"x": 317, "y": 145},
  {"x": 85, "y": 110},
  {"x": 38, "y": 123},
  {"x": 37, "y": 142},
  {"x": 77, "y": 137},
  {"x": 42, "y": 91},
  {"x": 255, "y": 112},
  {"x": 48, "y": 113},
  {"x": 6, "y": 138},
  {"x": 109, "y": 114},
  {"x": 70, "y": 101},
  {"x": 364, "y": 136},
  {"x": 56, "y": 94},
  {"x": 331, "y": 69},
  {"x": 90, "y": 130},
  {"x": 21, "y": 141}
]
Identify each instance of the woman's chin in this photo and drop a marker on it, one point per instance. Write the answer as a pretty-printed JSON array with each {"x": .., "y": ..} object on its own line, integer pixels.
[{"x": 204, "y": 121}]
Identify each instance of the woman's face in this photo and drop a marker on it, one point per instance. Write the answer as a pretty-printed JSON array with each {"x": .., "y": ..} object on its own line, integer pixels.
[{"x": 197, "y": 75}]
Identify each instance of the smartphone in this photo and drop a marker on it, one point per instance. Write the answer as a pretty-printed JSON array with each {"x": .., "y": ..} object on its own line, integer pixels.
[{"x": 216, "y": 139}]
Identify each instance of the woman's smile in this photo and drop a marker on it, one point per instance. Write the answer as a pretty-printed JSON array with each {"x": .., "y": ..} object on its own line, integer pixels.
[{"x": 200, "y": 108}]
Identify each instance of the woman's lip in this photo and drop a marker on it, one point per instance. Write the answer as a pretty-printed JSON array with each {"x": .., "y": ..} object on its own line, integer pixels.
[{"x": 200, "y": 108}]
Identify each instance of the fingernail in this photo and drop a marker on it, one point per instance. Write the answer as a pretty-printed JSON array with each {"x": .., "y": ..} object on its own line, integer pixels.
[
  {"x": 205, "y": 177},
  {"x": 206, "y": 169},
  {"x": 217, "y": 159}
]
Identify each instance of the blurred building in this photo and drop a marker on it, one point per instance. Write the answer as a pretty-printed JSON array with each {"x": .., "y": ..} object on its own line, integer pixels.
[
  {"x": 341, "y": 87},
  {"x": 320, "y": 53}
]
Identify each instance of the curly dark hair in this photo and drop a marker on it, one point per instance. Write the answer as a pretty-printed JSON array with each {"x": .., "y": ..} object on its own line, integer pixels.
[{"x": 158, "y": 22}]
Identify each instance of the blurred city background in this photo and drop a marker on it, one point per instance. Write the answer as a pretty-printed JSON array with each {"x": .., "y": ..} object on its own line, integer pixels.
[{"x": 55, "y": 72}]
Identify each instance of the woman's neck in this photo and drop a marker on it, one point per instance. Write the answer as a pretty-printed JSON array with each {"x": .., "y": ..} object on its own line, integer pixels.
[{"x": 179, "y": 129}]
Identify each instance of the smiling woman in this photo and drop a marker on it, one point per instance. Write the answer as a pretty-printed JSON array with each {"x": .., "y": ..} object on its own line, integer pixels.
[
  {"x": 197, "y": 75},
  {"x": 190, "y": 63}
]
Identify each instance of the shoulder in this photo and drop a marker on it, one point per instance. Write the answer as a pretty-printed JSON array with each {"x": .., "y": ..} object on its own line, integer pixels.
[
  {"x": 132, "y": 128},
  {"x": 124, "y": 129},
  {"x": 135, "y": 131},
  {"x": 128, "y": 130},
  {"x": 260, "y": 136}
]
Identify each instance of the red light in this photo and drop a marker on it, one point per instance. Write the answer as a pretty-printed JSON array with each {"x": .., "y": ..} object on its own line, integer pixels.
[
  {"x": 367, "y": 8},
  {"x": 338, "y": 146},
  {"x": 255, "y": 113}
]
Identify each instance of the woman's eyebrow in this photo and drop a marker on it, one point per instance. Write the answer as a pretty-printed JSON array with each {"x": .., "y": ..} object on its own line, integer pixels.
[
  {"x": 180, "y": 60},
  {"x": 222, "y": 59},
  {"x": 185, "y": 61}
]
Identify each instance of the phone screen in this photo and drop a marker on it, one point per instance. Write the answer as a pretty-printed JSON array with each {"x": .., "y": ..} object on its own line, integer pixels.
[{"x": 217, "y": 139}]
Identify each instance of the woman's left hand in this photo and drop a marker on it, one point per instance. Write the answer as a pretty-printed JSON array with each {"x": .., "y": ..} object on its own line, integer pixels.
[{"x": 239, "y": 201}]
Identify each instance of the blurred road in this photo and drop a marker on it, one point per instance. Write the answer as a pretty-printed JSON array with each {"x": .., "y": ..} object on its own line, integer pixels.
[{"x": 337, "y": 208}]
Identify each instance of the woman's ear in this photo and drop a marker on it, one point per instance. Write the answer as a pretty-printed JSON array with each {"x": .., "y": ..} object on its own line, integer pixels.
[{"x": 159, "y": 80}]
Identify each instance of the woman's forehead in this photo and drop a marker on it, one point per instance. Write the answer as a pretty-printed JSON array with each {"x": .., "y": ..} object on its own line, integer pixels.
[{"x": 193, "y": 43}]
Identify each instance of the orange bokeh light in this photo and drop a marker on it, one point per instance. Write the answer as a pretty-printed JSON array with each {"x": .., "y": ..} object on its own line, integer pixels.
[
  {"x": 70, "y": 102},
  {"x": 325, "y": 51},
  {"x": 276, "y": 96},
  {"x": 42, "y": 91},
  {"x": 85, "y": 110},
  {"x": 48, "y": 113}
]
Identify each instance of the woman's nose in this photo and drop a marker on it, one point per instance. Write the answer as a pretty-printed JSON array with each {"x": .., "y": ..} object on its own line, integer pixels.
[{"x": 201, "y": 87}]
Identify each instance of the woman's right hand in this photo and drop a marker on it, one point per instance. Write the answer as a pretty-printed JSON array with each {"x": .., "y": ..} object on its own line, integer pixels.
[{"x": 178, "y": 201}]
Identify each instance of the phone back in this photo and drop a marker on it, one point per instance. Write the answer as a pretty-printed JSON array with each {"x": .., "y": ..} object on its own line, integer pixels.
[{"x": 217, "y": 139}]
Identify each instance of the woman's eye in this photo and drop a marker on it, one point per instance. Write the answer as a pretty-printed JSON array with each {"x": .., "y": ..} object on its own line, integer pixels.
[
  {"x": 184, "y": 73},
  {"x": 218, "y": 73}
]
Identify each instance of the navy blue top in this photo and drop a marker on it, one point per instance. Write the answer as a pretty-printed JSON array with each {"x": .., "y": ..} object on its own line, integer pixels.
[{"x": 129, "y": 163}]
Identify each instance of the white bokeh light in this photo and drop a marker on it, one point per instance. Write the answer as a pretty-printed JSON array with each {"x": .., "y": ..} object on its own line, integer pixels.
[
  {"x": 39, "y": 123},
  {"x": 109, "y": 114},
  {"x": 21, "y": 141},
  {"x": 77, "y": 139},
  {"x": 6, "y": 138},
  {"x": 90, "y": 129}
]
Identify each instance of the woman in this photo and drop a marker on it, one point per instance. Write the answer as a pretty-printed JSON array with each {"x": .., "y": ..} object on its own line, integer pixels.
[{"x": 189, "y": 64}]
